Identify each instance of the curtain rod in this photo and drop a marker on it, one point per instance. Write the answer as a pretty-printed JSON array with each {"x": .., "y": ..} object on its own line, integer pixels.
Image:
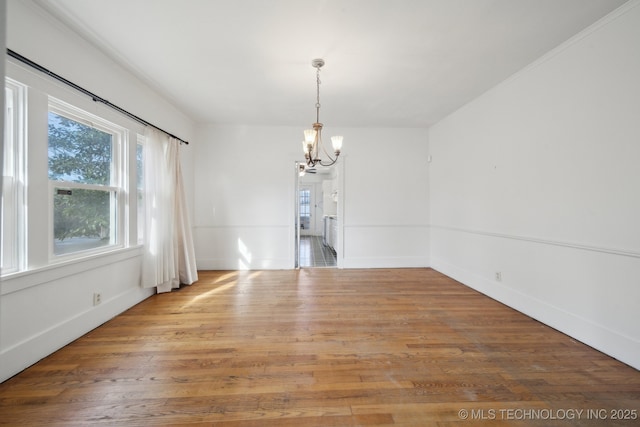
[{"x": 93, "y": 96}]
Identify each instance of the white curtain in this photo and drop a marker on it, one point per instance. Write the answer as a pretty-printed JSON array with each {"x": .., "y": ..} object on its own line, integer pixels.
[{"x": 169, "y": 257}]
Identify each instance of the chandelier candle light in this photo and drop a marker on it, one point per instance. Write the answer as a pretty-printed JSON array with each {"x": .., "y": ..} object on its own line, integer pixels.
[{"x": 312, "y": 144}]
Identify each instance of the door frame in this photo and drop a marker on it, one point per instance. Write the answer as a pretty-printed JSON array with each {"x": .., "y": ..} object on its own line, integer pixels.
[
  {"x": 340, "y": 165},
  {"x": 296, "y": 215}
]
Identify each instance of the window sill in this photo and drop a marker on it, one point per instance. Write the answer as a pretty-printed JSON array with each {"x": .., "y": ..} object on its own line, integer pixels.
[{"x": 14, "y": 282}]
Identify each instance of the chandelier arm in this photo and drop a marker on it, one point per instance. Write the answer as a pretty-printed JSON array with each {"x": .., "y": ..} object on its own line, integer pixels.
[
  {"x": 310, "y": 160},
  {"x": 332, "y": 159},
  {"x": 328, "y": 164},
  {"x": 326, "y": 152}
]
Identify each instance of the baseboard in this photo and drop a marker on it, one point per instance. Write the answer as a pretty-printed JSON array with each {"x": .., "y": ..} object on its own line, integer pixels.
[
  {"x": 24, "y": 354},
  {"x": 601, "y": 338},
  {"x": 386, "y": 262},
  {"x": 237, "y": 264},
  {"x": 285, "y": 264}
]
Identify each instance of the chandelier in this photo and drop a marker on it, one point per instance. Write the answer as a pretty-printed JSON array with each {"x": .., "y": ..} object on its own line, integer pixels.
[{"x": 312, "y": 144}]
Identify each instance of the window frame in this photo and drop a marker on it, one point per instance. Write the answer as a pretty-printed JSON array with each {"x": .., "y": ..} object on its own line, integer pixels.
[
  {"x": 35, "y": 254},
  {"x": 140, "y": 193},
  {"x": 15, "y": 124},
  {"x": 117, "y": 187}
]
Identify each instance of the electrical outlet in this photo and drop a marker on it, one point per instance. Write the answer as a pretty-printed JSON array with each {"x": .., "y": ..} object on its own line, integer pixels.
[
  {"x": 498, "y": 276},
  {"x": 97, "y": 298}
]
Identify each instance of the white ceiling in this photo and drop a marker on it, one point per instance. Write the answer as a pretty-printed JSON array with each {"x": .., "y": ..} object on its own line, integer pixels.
[{"x": 389, "y": 63}]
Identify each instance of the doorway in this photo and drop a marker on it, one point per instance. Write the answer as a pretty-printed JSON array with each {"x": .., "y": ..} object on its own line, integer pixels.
[{"x": 316, "y": 211}]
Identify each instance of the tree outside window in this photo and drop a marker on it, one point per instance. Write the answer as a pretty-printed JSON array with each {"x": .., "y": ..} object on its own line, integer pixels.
[{"x": 83, "y": 173}]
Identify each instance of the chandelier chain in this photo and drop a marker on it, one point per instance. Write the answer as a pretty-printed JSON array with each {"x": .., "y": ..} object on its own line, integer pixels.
[
  {"x": 312, "y": 145},
  {"x": 317, "y": 94}
]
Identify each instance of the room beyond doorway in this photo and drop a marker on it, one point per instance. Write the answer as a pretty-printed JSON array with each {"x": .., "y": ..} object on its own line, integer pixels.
[
  {"x": 314, "y": 253},
  {"x": 316, "y": 218}
]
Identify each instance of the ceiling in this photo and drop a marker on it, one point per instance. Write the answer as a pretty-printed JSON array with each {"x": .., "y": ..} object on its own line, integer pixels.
[{"x": 389, "y": 63}]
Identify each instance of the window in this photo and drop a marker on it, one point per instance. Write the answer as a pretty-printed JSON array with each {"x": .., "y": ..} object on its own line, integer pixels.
[
  {"x": 69, "y": 177},
  {"x": 305, "y": 209},
  {"x": 85, "y": 174},
  {"x": 140, "y": 187},
  {"x": 13, "y": 173}
]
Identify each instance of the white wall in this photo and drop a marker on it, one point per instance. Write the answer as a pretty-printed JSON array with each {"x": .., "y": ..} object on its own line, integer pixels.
[
  {"x": 538, "y": 179},
  {"x": 245, "y": 197},
  {"x": 385, "y": 199},
  {"x": 46, "y": 307},
  {"x": 244, "y": 193}
]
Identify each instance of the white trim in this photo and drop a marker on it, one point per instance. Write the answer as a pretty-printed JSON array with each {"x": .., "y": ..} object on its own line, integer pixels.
[
  {"x": 281, "y": 263},
  {"x": 81, "y": 186},
  {"x": 543, "y": 241},
  {"x": 386, "y": 226},
  {"x": 24, "y": 354},
  {"x": 49, "y": 273},
  {"x": 118, "y": 179},
  {"x": 598, "y": 336},
  {"x": 387, "y": 262},
  {"x": 226, "y": 226},
  {"x": 18, "y": 143}
]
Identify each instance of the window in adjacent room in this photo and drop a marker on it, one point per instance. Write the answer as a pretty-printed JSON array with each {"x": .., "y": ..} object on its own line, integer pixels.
[{"x": 305, "y": 209}]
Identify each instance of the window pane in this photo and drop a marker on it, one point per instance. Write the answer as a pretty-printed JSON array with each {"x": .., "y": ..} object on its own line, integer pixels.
[
  {"x": 9, "y": 203},
  {"x": 83, "y": 219},
  {"x": 9, "y": 258},
  {"x": 140, "y": 191},
  {"x": 78, "y": 153},
  {"x": 305, "y": 209}
]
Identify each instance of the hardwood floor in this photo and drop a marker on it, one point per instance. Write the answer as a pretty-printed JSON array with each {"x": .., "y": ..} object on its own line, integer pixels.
[{"x": 323, "y": 347}]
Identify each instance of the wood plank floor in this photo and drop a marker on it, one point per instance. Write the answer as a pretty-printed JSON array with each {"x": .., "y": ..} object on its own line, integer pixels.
[{"x": 323, "y": 347}]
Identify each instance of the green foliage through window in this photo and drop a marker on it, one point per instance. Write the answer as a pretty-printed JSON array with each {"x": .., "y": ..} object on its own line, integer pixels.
[
  {"x": 82, "y": 218},
  {"x": 81, "y": 154},
  {"x": 78, "y": 153}
]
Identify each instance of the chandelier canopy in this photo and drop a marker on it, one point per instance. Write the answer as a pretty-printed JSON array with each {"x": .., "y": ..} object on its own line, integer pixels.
[{"x": 312, "y": 144}]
